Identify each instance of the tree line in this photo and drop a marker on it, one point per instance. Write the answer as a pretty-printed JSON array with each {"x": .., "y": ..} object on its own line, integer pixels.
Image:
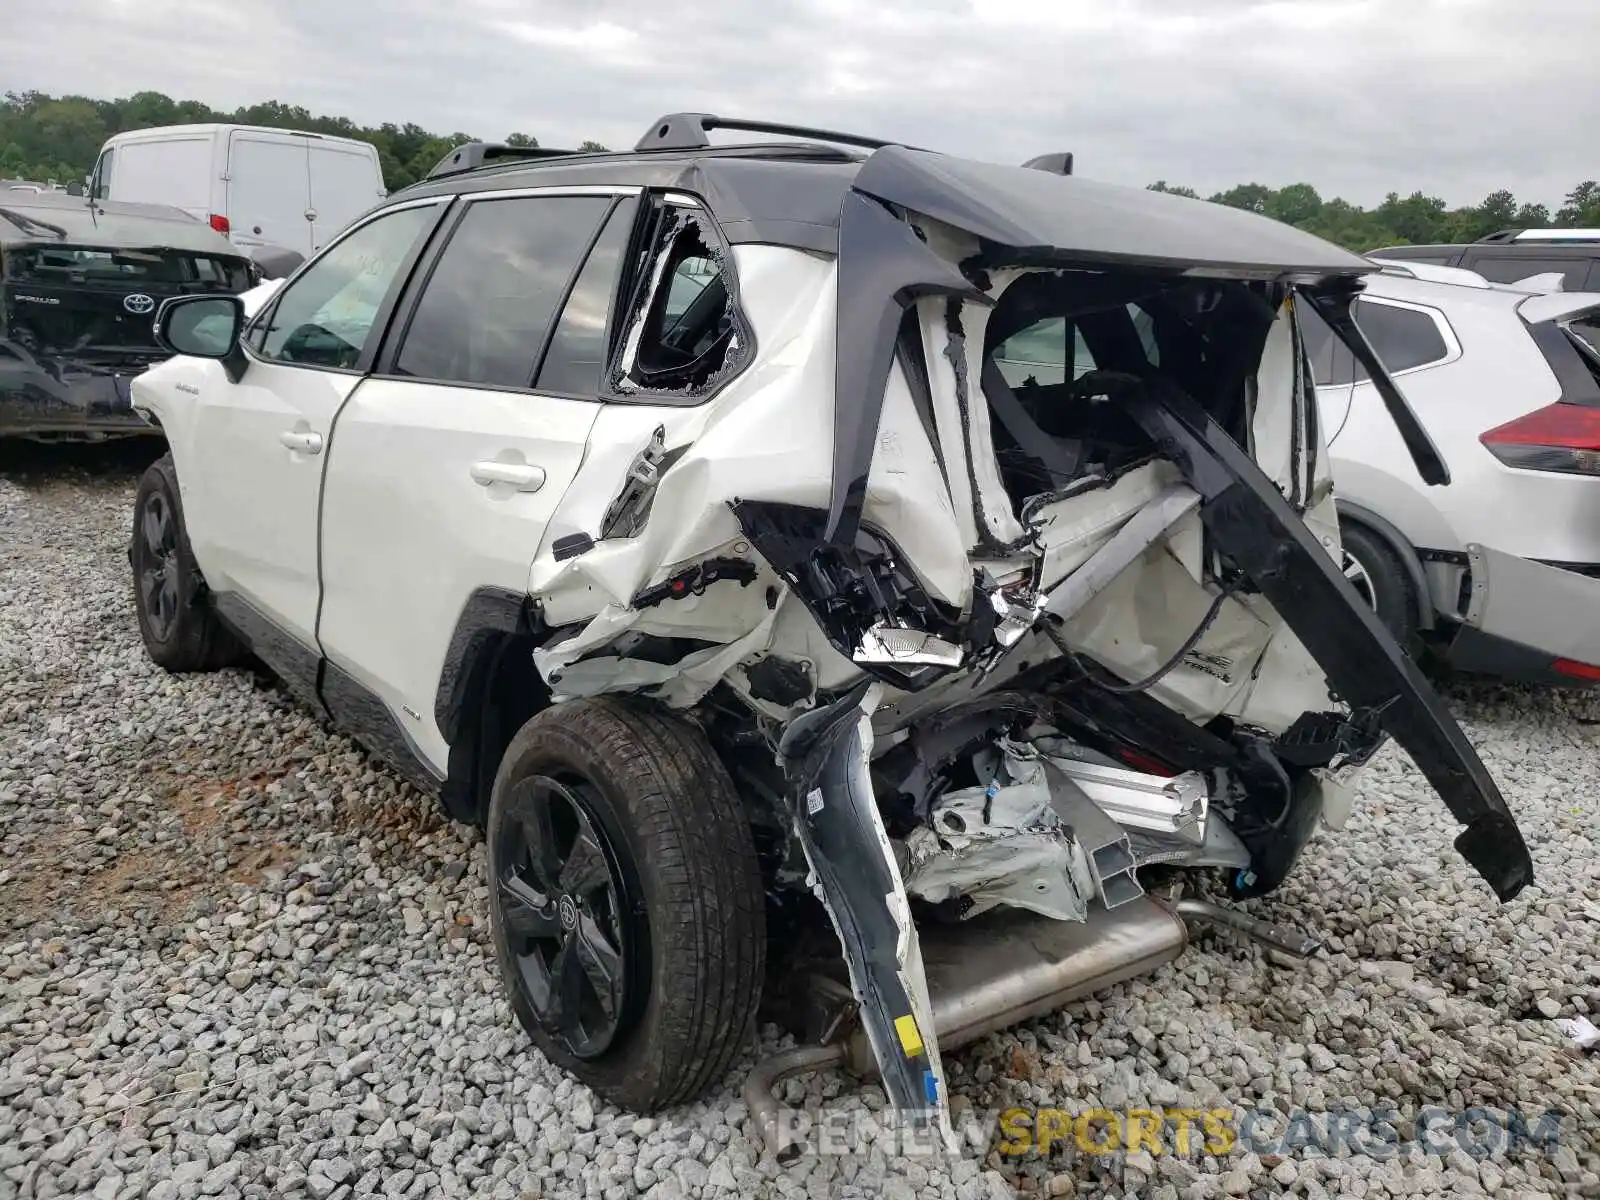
[{"x": 45, "y": 137}]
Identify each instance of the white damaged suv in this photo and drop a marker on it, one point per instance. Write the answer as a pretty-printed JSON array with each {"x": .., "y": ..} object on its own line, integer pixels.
[{"x": 725, "y": 528}]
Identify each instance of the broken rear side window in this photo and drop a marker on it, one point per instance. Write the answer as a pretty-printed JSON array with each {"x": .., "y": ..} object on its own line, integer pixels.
[{"x": 685, "y": 333}]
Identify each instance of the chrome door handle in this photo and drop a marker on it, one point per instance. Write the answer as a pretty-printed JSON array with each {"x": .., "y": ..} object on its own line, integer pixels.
[
  {"x": 524, "y": 477},
  {"x": 301, "y": 442}
]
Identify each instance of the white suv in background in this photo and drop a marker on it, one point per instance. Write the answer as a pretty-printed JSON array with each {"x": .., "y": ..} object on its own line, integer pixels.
[{"x": 1498, "y": 572}]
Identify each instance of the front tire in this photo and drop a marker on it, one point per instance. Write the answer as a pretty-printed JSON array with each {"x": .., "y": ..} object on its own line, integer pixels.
[
  {"x": 625, "y": 900},
  {"x": 181, "y": 633}
]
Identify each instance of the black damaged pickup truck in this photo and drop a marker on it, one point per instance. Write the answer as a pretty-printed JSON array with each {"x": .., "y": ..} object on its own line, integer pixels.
[{"x": 80, "y": 283}]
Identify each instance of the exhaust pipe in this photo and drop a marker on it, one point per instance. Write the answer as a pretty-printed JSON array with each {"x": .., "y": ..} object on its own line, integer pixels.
[
  {"x": 987, "y": 974},
  {"x": 1278, "y": 937}
]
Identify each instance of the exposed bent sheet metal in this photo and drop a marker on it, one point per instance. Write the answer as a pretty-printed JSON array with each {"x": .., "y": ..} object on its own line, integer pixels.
[
  {"x": 1145, "y": 528},
  {"x": 883, "y": 266},
  {"x": 1103, "y": 840},
  {"x": 825, "y": 756},
  {"x": 1002, "y": 843},
  {"x": 1253, "y": 525},
  {"x": 1172, "y": 806}
]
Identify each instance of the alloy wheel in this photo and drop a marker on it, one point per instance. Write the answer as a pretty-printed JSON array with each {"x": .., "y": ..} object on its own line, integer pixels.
[
  {"x": 565, "y": 910},
  {"x": 158, "y": 568}
]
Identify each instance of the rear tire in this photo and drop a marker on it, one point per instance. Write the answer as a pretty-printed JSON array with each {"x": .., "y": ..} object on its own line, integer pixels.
[
  {"x": 180, "y": 631},
  {"x": 679, "y": 911},
  {"x": 1377, "y": 573}
]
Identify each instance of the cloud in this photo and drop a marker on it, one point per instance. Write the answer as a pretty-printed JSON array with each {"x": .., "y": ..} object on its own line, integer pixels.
[{"x": 1453, "y": 97}]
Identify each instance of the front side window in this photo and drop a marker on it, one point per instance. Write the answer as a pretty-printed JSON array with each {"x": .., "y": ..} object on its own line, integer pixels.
[
  {"x": 487, "y": 308},
  {"x": 328, "y": 316}
]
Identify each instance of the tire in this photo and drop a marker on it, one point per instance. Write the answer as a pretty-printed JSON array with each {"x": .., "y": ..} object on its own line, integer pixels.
[
  {"x": 682, "y": 910},
  {"x": 1378, "y": 574},
  {"x": 181, "y": 633}
]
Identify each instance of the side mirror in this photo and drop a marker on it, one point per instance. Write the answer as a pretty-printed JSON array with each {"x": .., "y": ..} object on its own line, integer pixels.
[
  {"x": 74, "y": 188},
  {"x": 203, "y": 327}
]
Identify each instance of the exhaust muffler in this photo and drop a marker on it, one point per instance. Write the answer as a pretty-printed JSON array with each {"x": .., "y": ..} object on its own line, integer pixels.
[{"x": 986, "y": 974}]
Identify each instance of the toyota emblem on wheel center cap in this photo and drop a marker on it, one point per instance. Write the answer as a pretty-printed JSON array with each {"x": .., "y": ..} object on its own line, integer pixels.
[
  {"x": 138, "y": 303},
  {"x": 569, "y": 912}
]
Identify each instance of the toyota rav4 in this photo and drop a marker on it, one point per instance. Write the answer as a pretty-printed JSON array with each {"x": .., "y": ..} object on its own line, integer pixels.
[{"x": 759, "y": 539}]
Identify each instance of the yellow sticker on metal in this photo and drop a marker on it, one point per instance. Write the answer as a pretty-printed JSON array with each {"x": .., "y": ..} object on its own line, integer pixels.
[{"x": 910, "y": 1035}]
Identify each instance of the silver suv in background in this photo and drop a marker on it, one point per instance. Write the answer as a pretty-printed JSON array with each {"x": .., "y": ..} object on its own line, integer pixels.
[{"x": 1498, "y": 572}]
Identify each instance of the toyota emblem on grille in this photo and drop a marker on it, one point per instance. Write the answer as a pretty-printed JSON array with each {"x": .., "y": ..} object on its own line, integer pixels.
[{"x": 138, "y": 303}]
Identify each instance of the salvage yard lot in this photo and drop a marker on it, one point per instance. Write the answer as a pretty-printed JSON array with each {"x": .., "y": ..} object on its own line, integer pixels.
[{"x": 238, "y": 957}]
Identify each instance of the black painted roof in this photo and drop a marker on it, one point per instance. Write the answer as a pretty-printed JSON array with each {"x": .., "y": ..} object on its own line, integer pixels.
[{"x": 790, "y": 194}]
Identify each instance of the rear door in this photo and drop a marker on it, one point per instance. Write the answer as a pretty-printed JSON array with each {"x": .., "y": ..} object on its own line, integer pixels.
[
  {"x": 345, "y": 182},
  {"x": 448, "y": 465},
  {"x": 269, "y": 190}
]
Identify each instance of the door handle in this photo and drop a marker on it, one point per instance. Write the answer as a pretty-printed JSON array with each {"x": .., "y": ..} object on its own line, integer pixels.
[
  {"x": 301, "y": 442},
  {"x": 524, "y": 477}
]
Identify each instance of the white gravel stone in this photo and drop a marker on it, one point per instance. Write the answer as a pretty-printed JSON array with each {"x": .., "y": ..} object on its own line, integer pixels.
[{"x": 240, "y": 958}]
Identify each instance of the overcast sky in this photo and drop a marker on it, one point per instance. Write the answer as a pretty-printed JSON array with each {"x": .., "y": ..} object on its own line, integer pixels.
[{"x": 1455, "y": 97}]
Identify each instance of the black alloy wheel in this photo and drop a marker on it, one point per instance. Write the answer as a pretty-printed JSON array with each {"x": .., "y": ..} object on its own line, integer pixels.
[
  {"x": 565, "y": 906},
  {"x": 181, "y": 632},
  {"x": 156, "y": 564}
]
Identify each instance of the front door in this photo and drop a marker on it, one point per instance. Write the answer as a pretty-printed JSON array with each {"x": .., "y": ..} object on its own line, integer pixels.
[
  {"x": 448, "y": 465},
  {"x": 262, "y": 441}
]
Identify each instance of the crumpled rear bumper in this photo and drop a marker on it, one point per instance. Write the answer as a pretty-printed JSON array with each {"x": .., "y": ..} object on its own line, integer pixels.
[{"x": 63, "y": 398}]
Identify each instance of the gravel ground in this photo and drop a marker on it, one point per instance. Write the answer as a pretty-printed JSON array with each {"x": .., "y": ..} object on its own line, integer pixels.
[{"x": 237, "y": 957}]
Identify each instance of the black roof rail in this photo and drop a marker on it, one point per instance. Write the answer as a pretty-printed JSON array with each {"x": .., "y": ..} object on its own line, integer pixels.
[
  {"x": 469, "y": 156},
  {"x": 687, "y": 131},
  {"x": 1501, "y": 235},
  {"x": 1056, "y": 164}
]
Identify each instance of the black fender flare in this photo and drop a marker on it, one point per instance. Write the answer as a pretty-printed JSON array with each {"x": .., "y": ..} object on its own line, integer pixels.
[
  {"x": 1403, "y": 550},
  {"x": 492, "y": 621},
  {"x": 488, "y": 615}
]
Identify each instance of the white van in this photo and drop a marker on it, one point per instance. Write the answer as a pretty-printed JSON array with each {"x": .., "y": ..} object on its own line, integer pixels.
[{"x": 253, "y": 185}]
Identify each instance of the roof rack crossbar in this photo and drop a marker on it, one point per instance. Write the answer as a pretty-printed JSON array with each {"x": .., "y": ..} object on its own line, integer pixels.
[
  {"x": 687, "y": 131},
  {"x": 469, "y": 156}
]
